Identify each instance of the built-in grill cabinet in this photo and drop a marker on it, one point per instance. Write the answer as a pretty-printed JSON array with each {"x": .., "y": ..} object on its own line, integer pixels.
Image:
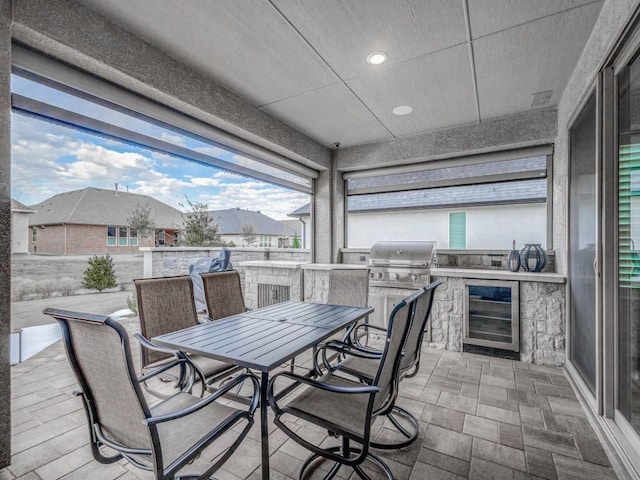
[
  {"x": 397, "y": 269},
  {"x": 492, "y": 314}
]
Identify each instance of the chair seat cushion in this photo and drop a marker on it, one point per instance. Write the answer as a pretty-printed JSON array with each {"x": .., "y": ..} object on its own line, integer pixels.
[
  {"x": 359, "y": 366},
  {"x": 209, "y": 366},
  {"x": 179, "y": 435},
  {"x": 337, "y": 412}
]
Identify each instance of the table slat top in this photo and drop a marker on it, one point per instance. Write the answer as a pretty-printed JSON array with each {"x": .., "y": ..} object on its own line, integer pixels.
[{"x": 264, "y": 338}]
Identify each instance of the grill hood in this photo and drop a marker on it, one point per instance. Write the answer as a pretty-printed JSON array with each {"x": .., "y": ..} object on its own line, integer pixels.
[{"x": 403, "y": 254}]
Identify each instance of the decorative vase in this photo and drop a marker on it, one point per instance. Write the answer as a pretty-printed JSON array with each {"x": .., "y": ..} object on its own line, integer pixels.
[
  {"x": 514, "y": 258},
  {"x": 533, "y": 257}
]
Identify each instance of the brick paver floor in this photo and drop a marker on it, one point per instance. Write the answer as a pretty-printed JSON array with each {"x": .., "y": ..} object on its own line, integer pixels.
[{"x": 480, "y": 417}]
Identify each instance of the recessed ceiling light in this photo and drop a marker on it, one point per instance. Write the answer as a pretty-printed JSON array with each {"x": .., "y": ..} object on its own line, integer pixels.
[
  {"x": 376, "y": 58},
  {"x": 402, "y": 110}
]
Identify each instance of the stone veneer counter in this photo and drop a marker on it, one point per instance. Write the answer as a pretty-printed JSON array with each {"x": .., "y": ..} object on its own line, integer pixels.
[{"x": 520, "y": 276}]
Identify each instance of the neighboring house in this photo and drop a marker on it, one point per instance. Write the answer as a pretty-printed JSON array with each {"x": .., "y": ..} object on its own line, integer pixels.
[
  {"x": 472, "y": 216},
  {"x": 267, "y": 232},
  {"x": 94, "y": 221},
  {"x": 20, "y": 227}
]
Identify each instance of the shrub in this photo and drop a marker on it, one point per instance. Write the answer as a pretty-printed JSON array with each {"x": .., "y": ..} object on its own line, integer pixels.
[
  {"x": 44, "y": 288},
  {"x": 23, "y": 288},
  {"x": 100, "y": 273},
  {"x": 132, "y": 304},
  {"x": 67, "y": 286}
]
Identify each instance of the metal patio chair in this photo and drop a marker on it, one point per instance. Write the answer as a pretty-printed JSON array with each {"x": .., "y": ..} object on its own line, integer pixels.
[
  {"x": 345, "y": 407},
  {"x": 165, "y": 304},
  {"x": 360, "y": 361},
  {"x": 223, "y": 294},
  {"x": 161, "y": 438}
]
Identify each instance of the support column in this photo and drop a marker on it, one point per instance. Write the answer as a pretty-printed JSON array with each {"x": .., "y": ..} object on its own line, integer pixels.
[
  {"x": 328, "y": 215},
  {"x": 5, "y": 230}
]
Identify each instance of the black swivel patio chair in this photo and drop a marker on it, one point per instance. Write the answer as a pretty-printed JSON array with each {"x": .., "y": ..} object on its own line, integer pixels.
[
  {"x": 161, "y": 438},
  {"x": 346, "y": 408},
  {"x": 361, "y": 362},
  {"x": 165, "y": 305}
]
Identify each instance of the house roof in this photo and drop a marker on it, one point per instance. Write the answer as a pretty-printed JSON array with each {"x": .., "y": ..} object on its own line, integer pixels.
[
  {"x": 18, "y": 207},
  {"x": 294, "y": 224},
  {"x": 522, "y": 191},
  {"x": 98, "y": 206},
  {"x": 230, "y": 222}
]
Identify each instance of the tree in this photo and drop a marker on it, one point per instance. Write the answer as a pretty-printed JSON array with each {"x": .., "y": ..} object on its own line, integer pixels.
[
  {"x": 142, "y": 221},
  {"x": 199, "y": 228},
  {"x": 248, "y": 234},
  {"x": 100, "y": 273},
  {"x": 296, "y": 241}
]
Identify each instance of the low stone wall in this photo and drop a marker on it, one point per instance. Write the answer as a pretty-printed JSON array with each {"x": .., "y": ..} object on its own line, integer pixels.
[{"x": 167, "y": 262}]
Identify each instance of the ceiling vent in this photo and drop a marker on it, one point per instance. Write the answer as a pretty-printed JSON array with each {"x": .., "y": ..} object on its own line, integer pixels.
[{"x": 541, "y": 99}]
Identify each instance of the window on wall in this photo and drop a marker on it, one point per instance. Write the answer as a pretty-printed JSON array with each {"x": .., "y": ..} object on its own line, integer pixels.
[
  {"x": 133, "y": 237},
  {"x": 123, "y": 238},
  {"x": 34, "y": 234},
  {"x": 265, "y": 240},
  {"x": 457, "y": 230},
  {"x": 111, "y": 236},
  {"x": 505, "y": 197}
]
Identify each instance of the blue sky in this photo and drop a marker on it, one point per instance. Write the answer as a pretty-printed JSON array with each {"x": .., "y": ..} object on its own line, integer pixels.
[{"x": 48, "y": 159}]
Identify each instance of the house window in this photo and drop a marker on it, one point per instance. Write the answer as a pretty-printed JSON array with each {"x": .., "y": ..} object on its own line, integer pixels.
[
  {"x": 111, "y": 236},
  {"x": 457, "y": 230},
  {"x": 34, "y": 234},
  {"x": 123, "y": 238},
  {"x": 133, "y": 237},
  {"x": 265, "y": 241}
]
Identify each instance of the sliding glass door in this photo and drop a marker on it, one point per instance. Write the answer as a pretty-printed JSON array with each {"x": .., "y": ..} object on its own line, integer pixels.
[
  {"x": 582, "y": 243},
  {"x": 628, "y": 243}
]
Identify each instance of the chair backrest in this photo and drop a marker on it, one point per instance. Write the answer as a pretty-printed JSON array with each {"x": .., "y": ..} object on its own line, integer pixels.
[
  {"x": 387, "y": 376},
  {"x": 99, "y": 353},
  {"x": 165, "y": 304},
  {"x": 422, "y": 311},
  {"x": 223, "y": 294},
  {"x": 349, "y": 287}
]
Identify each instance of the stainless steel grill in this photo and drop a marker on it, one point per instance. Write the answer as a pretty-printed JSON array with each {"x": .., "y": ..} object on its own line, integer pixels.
[{"x": 401, "y": 264}]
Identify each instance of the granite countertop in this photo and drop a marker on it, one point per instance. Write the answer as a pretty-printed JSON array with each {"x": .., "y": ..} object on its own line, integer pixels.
[{"x": 521, "y": 276}]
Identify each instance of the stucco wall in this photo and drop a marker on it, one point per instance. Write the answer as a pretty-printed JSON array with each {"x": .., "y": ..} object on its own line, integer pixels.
[{"x": 487, "y": 227}]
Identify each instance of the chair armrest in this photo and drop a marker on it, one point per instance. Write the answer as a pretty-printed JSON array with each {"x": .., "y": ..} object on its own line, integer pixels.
[
  {"x": 354, "y": 337},
  {"x": 341, "y": 348},
  {"x": 182, "y": 360},
  {"x": 368, "y": 389},
  {"x": 211, "y": 398}
]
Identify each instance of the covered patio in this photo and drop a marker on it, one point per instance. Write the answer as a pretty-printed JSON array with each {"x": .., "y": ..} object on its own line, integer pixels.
[{"x": 490, "y": 119}]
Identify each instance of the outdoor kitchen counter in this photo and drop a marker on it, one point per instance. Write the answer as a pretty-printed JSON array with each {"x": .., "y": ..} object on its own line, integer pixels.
[{"x": 521, "y": 276}]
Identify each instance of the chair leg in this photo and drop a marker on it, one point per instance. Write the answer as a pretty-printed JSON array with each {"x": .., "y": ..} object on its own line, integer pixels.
[
  {"x": 346, "y": 451},
  {"x": 411, "y": 433}
]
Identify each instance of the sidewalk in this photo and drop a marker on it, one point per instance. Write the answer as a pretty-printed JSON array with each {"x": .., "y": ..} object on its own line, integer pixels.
[{"x": 29, "y": 313}]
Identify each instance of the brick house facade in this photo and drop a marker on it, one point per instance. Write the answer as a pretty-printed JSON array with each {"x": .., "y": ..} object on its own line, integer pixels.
[{"x": 94, "y": 221}]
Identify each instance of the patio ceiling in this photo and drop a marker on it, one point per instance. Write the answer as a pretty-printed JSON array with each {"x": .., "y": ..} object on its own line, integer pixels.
[{"x": 455, "y": 62}]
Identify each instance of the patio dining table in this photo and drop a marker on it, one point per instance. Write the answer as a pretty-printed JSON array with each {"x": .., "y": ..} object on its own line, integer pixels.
[{"x": 263, "y": 339}]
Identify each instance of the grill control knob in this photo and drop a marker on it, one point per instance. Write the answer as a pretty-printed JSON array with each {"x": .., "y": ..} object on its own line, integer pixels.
[
  {"x": 396, "y": 276},
  {"x": 379, "y": 275},
  {"x": 414, "y": 277},
  {"x": 372, "y": 275}
]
